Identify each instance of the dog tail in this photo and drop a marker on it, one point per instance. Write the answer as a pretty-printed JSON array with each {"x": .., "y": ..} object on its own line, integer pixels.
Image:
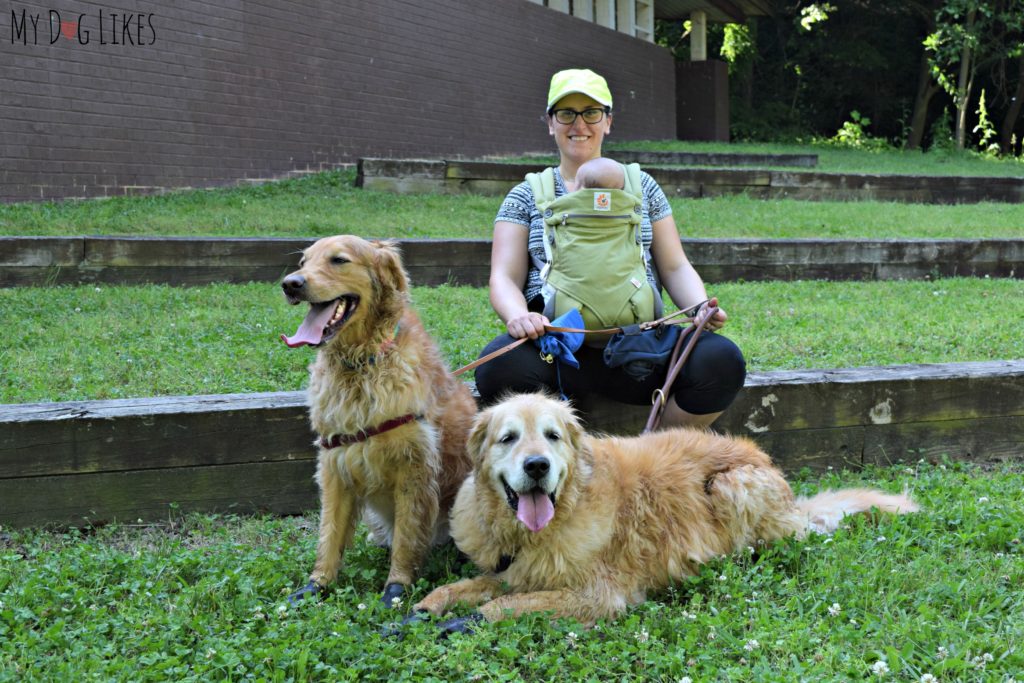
[{"x": 824, "y": 511}]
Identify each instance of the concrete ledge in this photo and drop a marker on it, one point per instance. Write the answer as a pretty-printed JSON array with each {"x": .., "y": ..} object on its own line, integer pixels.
[
  {"x": 95, "y": 461},
  {"x": 483, "y": 177},
  {"x": 44, "y": 261}
]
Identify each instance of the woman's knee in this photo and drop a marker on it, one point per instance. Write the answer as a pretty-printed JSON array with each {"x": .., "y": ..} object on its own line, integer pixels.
[{"x": 713, "y": 377}]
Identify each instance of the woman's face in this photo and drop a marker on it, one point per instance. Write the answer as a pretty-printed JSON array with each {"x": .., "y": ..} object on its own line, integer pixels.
[{"x": 579, "y": 141}]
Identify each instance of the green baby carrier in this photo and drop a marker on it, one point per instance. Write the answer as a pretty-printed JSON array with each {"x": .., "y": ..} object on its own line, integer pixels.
[{"x": 595, "y": 259}]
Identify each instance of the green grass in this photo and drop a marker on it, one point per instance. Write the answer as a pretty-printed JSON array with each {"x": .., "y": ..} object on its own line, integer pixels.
[
  {"x": 202, "y": 598},
  {"x": 328, "y": 203},
  {"x": 88, "y": 342}
]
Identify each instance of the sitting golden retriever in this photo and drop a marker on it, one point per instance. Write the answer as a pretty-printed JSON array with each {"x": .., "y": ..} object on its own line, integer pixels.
[
  {"x": 392, "y": 420},
  {"x": 583, "y": 526}
]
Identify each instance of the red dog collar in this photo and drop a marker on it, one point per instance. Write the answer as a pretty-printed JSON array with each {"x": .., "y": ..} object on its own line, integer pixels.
[{"x": 364, "y": 434}]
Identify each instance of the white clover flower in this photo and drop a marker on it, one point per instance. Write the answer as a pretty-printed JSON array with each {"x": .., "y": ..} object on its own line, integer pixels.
[
  {"x": 571, "y": 638},
  {"x": 361, "y": 606},
  {"x": 396, "y": 601},
  {"x": 928, "y": 678},
  {"x": 880, "y": 539},
  {"x": 942, "y": 653},
  {"x": 281, "y": 609},
  {"x": 880, "y": 668},
  {"x": 642, "y": 636},
  {"x": 835, "y": 609},
  {"x": 751, "y": 645},
  {"x": 722, "y": 577},
  {"x": 685, "y": 679},
  {"x": 983, "y": 499}
]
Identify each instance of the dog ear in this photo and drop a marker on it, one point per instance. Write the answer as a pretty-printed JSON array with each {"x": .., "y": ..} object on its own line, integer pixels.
[
  {"x": 389, "y": 265},
  {"x": 478, "y": 435},
  {"x": 574, "y": 429}
]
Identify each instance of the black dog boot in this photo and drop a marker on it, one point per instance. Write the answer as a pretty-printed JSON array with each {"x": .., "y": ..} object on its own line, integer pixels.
[
  {"x": 310, "y": 590},
  {"x": 393, "y": 593},
  {"x": 397, "y": 630},
  {"x": 459, "y": 625}
]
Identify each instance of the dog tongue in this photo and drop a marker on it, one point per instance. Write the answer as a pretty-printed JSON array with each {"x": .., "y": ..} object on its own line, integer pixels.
[
  {"x": 311, "y": 331},
  {"x": 535, "y": 510}
]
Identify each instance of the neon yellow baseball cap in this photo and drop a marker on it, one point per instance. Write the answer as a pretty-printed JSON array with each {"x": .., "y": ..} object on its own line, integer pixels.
[{"x": 582, "y": 81}]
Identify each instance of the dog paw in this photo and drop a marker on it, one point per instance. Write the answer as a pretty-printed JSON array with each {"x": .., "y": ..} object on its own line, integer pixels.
[
  {"x": 310, "y": 590},
  {"x": 393, "y": 593},
  {"x": 459, "y": 625}
]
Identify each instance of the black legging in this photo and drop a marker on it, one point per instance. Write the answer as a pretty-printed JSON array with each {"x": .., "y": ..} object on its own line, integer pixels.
[{"x": 708, "y": 383}]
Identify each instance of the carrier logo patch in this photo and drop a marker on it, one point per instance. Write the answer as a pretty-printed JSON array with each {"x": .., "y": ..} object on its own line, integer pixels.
[{"x": 602, "y": 201}]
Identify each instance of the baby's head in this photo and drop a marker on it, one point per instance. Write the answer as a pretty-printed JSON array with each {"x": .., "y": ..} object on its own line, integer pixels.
[{"x": 602, "y": 173}]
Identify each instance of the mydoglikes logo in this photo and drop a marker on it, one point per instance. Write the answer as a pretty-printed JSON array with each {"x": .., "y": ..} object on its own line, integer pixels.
[{"x": 97, "y": 28}]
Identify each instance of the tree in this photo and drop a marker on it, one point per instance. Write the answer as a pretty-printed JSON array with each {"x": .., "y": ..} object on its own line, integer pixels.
[{"x": 968, "y": 35}]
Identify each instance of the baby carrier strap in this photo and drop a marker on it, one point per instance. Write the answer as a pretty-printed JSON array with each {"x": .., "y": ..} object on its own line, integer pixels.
[{"x": 543, "y": 187}]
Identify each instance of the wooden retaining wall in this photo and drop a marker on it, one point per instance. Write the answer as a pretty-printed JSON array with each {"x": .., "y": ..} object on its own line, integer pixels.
[
  {"x": 480, "y": 177},
  {"x": 42, "y": 261},
  {"x": 629, "y": 156},
  {"x": 96, "y": 461}
]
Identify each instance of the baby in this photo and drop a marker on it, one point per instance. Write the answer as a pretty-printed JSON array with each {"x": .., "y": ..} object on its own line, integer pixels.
[{"x": 600, "y": 173}]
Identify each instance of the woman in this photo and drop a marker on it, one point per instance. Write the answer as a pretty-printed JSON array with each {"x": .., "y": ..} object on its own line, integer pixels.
[{"x": 579, "y": 117}]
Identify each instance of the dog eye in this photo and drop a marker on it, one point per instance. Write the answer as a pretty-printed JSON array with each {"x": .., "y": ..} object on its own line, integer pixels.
[
  {"x": 509, "y": 437},
  {"x": 552, "y": 435},
  {"x": 339, "y": 260}
]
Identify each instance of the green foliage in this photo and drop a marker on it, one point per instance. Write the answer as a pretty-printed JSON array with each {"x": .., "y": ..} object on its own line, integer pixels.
[
  {"x": 986, "y": 130},
  {"x": 815, "y": 13},
  {"x": 852, "y": 134},
  {"x": 202, "y": 598},
  {"x": 943, "y": 143},
  {"x": 737, "y": 46}
]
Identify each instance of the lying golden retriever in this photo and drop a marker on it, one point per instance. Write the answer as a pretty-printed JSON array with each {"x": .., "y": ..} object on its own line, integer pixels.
[
  {"x": 583, "y": 526},
  {"x": 392, "y": 420}
]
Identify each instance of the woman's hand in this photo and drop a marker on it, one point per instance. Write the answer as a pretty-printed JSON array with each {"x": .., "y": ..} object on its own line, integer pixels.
[
  {"x": 528, "y": 325},
  {"x": 717, "y": 321}
]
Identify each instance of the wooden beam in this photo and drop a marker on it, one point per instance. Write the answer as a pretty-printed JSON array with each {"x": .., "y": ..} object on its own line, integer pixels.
[
  {"x": 93, "y": 461},
  {"x": 197, "y": 261}
]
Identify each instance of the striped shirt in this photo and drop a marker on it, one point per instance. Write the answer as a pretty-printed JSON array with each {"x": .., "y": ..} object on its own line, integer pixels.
[{"x": 520, "y": 207}]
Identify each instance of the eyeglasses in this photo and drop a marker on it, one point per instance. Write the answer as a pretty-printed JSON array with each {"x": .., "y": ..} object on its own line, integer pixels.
[{"x": 591, "y": 115}]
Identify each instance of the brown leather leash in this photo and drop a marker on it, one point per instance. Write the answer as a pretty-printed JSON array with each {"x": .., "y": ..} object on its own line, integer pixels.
[
  {"x": 675, "y": 365},
  {"x": 680, "y": 354},
  {"x": 677, "y": 318}
]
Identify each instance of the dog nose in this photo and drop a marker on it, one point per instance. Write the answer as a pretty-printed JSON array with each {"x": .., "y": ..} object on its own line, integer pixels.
[
  {"x": 293, "y": 283},
  {"x": 536, "y": 466}
]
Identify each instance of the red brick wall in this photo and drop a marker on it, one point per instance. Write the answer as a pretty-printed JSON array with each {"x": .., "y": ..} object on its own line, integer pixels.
[{"x": 224, "y": 91}]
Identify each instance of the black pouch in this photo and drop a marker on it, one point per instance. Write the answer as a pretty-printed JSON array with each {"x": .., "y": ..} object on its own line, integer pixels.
[{"x": 640, "y": 353}]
